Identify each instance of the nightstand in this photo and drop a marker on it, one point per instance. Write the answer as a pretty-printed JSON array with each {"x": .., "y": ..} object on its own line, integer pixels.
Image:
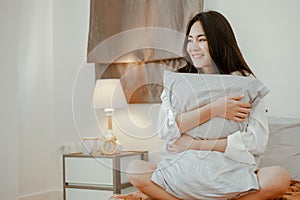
[{"x": 97, "y": 177}]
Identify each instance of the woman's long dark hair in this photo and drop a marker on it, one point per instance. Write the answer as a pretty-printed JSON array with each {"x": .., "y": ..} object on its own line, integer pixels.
[{"x": 223, "y": 47}]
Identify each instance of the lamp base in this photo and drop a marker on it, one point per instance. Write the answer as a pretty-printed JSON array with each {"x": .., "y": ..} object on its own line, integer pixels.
[
  {"x": 110, "y": 145},
  {"x": 109, "y": 134}
]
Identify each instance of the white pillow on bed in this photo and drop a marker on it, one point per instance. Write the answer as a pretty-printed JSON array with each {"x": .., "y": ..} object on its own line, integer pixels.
[
  {"x": 188, "y": 91},
  {"x": 283, "y": 148}
]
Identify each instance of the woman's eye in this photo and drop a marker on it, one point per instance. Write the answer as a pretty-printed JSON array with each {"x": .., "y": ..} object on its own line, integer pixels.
[{"x": 202, "y": 40}]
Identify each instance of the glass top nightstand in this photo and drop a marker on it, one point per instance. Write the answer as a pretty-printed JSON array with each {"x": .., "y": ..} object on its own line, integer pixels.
[{"x": 94, "y": 176}]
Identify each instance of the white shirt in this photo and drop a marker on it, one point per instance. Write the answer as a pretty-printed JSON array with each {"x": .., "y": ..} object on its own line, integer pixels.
[{"x": 242, "y": 146}]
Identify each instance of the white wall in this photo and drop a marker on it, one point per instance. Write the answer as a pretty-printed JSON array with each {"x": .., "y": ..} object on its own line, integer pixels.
[
  {"x": 70, "y": 29},
  {"x": 268, "y": 34},
  {"x": 9, "y": 150},
  {"x": 35, "y": 77}
]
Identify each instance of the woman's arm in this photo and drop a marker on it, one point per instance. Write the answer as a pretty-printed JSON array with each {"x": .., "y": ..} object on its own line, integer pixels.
[
  {"x": 240, "y": 146},
  {"x": 243, "y": 145},
  {"x": 227, "y": 107},
  {"x": 186, "y": 142},
  {"x": 170, "y": 125}
]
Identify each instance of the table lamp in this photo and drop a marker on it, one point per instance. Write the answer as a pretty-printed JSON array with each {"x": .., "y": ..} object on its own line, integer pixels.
[{"x": 109, "y": 95}]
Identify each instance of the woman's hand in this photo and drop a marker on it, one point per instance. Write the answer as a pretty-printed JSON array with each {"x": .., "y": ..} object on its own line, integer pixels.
[
  {"x": 231, "y": 108},
  {"x": 185, "y": 142}
]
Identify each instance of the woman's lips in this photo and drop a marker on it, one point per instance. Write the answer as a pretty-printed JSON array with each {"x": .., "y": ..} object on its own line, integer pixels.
[{"x": 196, "y": 55}]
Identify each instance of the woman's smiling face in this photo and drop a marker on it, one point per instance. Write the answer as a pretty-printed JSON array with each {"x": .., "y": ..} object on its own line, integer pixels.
[{"x": 197, "y": 48}]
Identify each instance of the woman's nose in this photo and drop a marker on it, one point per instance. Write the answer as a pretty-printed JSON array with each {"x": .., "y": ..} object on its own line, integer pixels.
[{"x": 195, "y": 46}]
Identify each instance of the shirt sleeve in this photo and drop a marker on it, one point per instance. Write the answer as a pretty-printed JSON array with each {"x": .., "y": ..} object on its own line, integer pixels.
[
  {"x": 242, "y": 146},
  {"x": 167, "y": 128}
]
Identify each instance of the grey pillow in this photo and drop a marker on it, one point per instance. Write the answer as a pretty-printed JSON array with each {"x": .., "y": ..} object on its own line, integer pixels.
[
  {"x": 283, "y": 147},
  {"x": 187, "y": 91}
]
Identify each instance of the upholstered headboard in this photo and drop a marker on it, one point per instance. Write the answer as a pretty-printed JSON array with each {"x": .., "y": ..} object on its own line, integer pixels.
[{"x": 284, "y": 145}]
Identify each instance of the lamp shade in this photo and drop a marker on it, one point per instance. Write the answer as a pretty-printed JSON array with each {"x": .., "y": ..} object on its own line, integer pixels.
[{"x": 109, "y": 94}]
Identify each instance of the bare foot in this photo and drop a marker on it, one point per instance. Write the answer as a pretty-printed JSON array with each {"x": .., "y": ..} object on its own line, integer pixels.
[{"x": 131, "y": 196}]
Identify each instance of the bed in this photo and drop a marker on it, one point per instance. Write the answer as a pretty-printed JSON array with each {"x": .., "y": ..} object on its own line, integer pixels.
[
  {"x": 293, "y": 192},
  {"x": 283, "y": 149}
]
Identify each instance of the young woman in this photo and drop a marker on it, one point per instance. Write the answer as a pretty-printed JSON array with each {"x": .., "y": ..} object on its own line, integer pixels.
[{"x": 227, "y": 171}]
